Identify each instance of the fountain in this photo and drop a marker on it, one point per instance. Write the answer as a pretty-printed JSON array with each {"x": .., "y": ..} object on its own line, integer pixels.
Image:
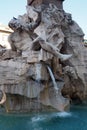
[
  {"x": 45, "y": 67},
  {"x": 53, "y": 79}
]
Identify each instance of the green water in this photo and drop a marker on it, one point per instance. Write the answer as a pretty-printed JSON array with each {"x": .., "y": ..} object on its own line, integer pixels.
[{"x": 75, "y": 119}]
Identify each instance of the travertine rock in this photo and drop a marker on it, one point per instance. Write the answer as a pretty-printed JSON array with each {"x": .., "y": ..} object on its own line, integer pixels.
[
  {"x": 58, "y": 3},
  {"x": 43, "y": 37}
]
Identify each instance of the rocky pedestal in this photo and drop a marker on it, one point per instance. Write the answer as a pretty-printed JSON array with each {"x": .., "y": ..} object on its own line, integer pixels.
[{"x": 46, "y": 67}]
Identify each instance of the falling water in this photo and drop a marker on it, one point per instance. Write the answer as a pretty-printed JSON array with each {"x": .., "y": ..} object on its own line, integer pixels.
[
  {"x": 38, "y": 77},
  {"x": 38, "y": 72},
  {"x": 53, "y": 78}
]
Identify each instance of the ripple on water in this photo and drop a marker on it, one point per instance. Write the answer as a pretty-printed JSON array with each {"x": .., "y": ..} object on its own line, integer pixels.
[
  {"x": 64, "y": 114},
  {"x": 37, "y": 118},
  {"x": 45, "y": 117}
]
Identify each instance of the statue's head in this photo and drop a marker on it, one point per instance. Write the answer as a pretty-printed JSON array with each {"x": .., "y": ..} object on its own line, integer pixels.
[{"x": 31, "y": 12}]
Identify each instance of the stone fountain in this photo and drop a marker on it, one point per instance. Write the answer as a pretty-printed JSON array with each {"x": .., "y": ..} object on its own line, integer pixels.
[{"x": 45, "y": 68}]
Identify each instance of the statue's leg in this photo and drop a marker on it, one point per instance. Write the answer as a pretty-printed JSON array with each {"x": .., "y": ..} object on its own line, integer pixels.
[{"x": 52, "y": 49}]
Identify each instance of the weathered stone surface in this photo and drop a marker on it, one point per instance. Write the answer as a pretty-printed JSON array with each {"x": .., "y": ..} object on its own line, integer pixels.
[
  {"x": 37, "y": 56},
  {"x": 38, "y": 72},
  {"x": 12, "y": 71},
  {"x": 43, "y": 37},
  {"x": 50, "y": 97},
  {"x": 30, "y": 89},
  {"x": 74, "y": 44},
  {"x": 58, "y": 3}
]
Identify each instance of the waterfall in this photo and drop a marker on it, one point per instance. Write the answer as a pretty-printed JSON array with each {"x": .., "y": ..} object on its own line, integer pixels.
[
  {"x": 38, "y": 72},
  {"x": 38, "y": 77},
  {"x": 53, "y": 78}
]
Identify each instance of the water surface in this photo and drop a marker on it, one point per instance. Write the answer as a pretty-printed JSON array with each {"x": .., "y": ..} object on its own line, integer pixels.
[{"x": 75, "y": 119}]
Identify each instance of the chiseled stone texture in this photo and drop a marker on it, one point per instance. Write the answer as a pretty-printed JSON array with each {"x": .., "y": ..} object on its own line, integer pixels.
[
  {"x": 23, "y": 73},
  {"x": 74, "y": 44}
]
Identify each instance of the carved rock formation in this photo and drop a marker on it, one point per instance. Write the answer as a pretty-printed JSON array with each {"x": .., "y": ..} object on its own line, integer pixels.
[
  {"x": 3, "y": 98},
  {"x": 45, "y": 36}
]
